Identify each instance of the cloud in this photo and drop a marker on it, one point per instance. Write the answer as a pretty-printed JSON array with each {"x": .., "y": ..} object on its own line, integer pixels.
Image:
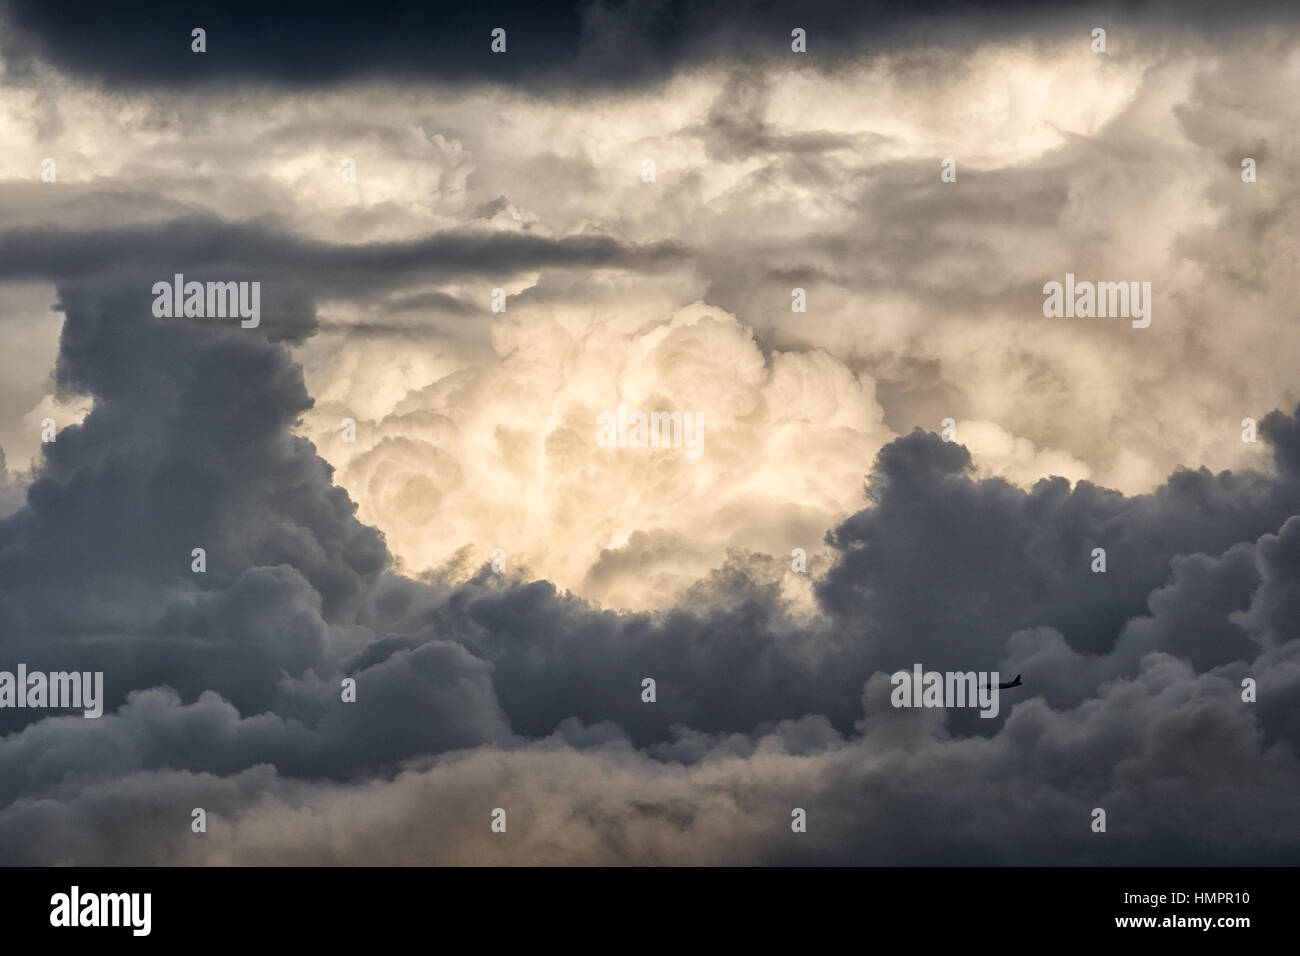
[
  {"x": 332, "y": 269},
  {"x": 328, "y": 560},
  {"x": 569, "y": 46},
  {"x": 496, "y": 664},
  {"x": 1175, "y": 760},
  {"x": 504, "y": 454}
]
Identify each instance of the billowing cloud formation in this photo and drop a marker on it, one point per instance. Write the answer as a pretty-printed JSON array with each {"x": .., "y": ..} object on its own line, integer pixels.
[
  {"x": 814, "y": 173},
  {"x": 214, "y": 677},
  {"x": 501, "y": 456},
  {"x": 328, "y": 560}
]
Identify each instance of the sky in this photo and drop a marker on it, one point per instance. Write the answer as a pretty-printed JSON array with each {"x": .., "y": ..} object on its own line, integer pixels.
[{"x": 397, "y": 476}]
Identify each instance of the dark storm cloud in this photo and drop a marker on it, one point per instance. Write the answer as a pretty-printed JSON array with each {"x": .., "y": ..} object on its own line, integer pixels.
[
  {"x": 187, "y": 446},
  {"x": 925, "y": 563},
  {"x": 942, "y": 569},
  {"x": 566, "y": 45},
  {"x": 1175, "y": 759},
  {"x": 296, "y": 272},
  {"x": 208, "y": 243},
  {"x": 212, "y": 677}
]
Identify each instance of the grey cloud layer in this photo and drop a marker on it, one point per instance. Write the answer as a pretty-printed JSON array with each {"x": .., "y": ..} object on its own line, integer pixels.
[{"x": 332, "y": 269}]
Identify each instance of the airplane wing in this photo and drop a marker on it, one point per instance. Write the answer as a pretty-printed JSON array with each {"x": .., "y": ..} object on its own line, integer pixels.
[{"x": 1014, "y": 683}]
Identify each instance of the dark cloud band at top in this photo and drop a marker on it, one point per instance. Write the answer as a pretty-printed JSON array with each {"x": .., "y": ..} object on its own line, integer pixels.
[{"x": 572, "y": 46}]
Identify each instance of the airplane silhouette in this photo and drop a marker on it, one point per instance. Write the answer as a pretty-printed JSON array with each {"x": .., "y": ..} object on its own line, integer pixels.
[{"x": 1014, "y": 683}]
